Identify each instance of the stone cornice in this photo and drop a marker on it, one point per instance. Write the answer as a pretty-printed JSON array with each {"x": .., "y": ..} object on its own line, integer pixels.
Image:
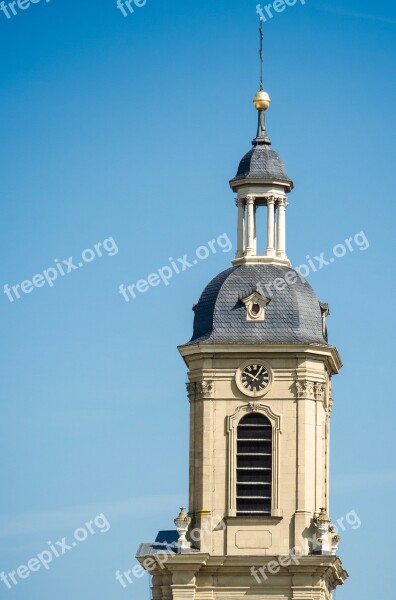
[
  {"x": 261, "y": 260},
  {"x": 334, "y": 361},
  {"x": 237, "y": 183},
  {"x": 328, "y": 568}
]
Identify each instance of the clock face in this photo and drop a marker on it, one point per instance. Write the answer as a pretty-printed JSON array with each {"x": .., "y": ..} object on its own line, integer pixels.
[{"x": 254, "y": 378}]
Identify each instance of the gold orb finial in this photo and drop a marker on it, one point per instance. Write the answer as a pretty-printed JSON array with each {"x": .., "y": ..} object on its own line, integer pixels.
[{"x": 261, "y": 100}]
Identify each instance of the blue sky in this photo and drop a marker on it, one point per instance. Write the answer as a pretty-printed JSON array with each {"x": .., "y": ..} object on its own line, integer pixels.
[{"x": 129, "y": 129}]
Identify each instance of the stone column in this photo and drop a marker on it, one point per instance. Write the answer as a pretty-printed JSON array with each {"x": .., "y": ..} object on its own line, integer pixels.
[
  {"x": 201, "y": 462},
  {"x": 241, "y": 228},
  {"x": 281, "y": 237},
  {"x": 166, "y": 588},
  {"x": 156, "y": 588},
  {"x": 250, "y": 225},
  {"x": 183, "y": 585},
  {"x": 270, "y": 227},
  {"x": 306, "y": 462}
]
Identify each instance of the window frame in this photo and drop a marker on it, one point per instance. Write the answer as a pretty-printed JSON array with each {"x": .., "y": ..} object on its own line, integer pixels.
[{"x": 233, "y": 422}]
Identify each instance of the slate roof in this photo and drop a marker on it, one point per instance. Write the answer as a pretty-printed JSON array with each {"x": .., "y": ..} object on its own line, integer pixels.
[
  {"x": 165, "y": 543},
  {"x": 261, "y": 162},
  {"x": 167, "y": 537},
  {"x": 151, "y": 548},
  {"x": 293, "y": 316}
]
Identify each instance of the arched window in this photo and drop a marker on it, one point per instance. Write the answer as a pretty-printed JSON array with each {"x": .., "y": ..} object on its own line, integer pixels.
[{"x": 254, "y": 466}]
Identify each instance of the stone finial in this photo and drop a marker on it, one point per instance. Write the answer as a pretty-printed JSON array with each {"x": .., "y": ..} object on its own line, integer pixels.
[
  {"x": 326, "y": 540},
  {"x": 182, "y": 523}
]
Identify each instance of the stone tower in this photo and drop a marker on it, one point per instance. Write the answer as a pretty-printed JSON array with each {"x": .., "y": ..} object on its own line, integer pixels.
[{"x": 259, "y": 368}]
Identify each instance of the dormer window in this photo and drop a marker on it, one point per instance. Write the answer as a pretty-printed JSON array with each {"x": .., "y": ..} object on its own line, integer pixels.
[
  {"x": 255, "y": 305},
  {"x": 255, "y": 310}
]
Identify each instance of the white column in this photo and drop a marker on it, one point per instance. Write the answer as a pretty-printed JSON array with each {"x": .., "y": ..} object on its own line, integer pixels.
[
  {"x": 270, "y": 226},
  {"x": 250, "y": 225},
  {"x": 281, "y": 237},
  {"x": 255, "y": 231},
  {"x": 241, "y": 228}
]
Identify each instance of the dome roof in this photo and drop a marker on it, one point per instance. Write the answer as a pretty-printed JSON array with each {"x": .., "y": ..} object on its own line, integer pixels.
[
  {"x": 261, "y": 162},
  {"x": 293, "y": 316}
]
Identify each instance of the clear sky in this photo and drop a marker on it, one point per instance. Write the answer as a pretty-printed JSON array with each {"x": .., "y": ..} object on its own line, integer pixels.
[{"x": 128, "y": 129}]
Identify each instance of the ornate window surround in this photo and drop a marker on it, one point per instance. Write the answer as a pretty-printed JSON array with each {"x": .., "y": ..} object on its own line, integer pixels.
[{"x": 232, "y": 426}]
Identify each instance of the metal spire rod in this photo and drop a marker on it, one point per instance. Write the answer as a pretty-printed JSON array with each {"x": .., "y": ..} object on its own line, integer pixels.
[{"x": 261, "y": 55}]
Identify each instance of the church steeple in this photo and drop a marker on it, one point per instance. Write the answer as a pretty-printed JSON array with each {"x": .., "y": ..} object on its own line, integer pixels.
[
  {"x": 260, "y": 374},
  {"x": 261, "y": 180}
]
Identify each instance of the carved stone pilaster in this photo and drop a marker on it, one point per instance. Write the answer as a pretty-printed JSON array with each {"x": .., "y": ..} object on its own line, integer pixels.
[
  {"x": 320, "y": 391},
  {"x": 311, "y": 390},
  {"x": 197, "y": 390},
  {"x": 205, "y": 389},
  {"x": 306, "y": 389},
  {"x": 190, "y": 390},
  {"x": 330, "y": 398}
]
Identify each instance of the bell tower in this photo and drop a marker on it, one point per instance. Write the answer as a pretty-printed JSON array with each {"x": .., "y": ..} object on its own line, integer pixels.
[
  {"x": 259, "y": 385},
  {"x": 261, "y": 181}
]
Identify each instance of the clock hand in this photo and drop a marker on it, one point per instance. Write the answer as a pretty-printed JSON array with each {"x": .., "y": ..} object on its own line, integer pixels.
[{"x": 252, "y": 376}]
